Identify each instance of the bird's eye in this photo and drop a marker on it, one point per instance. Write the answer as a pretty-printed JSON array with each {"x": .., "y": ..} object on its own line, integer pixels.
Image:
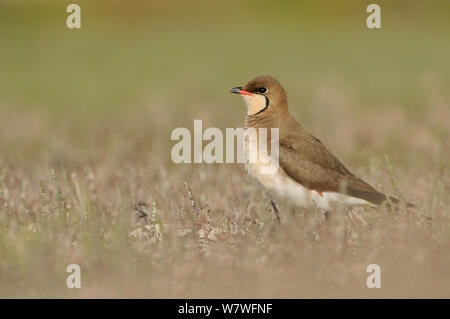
[{"x": 262, "y": 90}]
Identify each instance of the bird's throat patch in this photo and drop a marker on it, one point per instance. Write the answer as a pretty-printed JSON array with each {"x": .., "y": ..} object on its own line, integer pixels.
[{"x": 255, "y": 103}]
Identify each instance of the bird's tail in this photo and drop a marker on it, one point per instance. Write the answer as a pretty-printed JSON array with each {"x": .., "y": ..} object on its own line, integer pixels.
[
  {"x": 378, "y": 198},
  {"x": 396, "y": 201}
]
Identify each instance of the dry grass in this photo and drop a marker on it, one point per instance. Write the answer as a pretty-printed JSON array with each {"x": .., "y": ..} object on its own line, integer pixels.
[{"x": 103, "y": 193}]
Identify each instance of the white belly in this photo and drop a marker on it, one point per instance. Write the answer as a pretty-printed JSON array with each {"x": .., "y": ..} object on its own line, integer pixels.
[{"x": 286, "y": 190}]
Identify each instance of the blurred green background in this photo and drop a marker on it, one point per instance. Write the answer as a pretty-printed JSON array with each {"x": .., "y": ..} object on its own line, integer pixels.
[{"x": 186, "y": 53}]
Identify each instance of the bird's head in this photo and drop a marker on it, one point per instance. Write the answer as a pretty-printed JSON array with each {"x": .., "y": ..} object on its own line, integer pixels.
[{"x": 261, "y": 94}]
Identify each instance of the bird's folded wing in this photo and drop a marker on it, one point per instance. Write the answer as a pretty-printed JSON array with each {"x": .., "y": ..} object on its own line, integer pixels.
[{"x": 307, "y": 161}]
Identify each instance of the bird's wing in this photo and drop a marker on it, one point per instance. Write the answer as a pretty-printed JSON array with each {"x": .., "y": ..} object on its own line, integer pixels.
[{"x": 305, "y": 159}]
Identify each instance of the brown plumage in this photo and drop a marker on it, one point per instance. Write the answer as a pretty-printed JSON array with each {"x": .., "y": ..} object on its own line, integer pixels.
[{"x": 302, "y": 156}]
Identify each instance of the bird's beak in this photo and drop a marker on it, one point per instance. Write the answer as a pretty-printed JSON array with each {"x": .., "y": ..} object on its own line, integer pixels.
[{"x": 239, "y": 90}]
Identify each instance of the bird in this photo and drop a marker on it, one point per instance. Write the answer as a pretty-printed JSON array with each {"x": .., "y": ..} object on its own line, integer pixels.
[{"x": 308, "y": 175}]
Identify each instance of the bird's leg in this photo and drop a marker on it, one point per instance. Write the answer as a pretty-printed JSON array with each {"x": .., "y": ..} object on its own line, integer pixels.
[
  {"x": 321, "y": 215},
  {"x": 276, "y": 211},
  {"x": 315, "y": 227}
]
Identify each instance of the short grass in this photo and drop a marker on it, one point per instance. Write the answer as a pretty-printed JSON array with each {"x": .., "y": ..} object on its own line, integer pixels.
[{"x": 85, "y": 169}]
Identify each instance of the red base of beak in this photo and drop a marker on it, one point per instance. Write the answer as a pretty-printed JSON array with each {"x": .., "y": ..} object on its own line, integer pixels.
[
  {"x": 239, "y": 90},
  {"x": 244, "y": 92}
]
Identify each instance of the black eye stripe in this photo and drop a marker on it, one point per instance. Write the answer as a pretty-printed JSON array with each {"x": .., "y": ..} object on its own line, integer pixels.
[{"x": 261, "y": 90}]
